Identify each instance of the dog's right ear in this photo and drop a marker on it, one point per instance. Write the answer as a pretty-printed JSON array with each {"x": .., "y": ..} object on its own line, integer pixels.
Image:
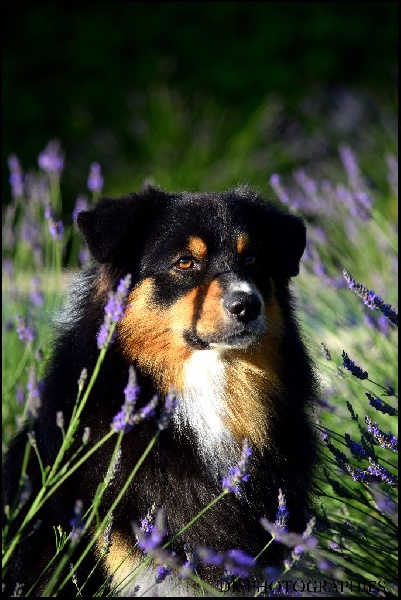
[{"x": 111, "y": 224}]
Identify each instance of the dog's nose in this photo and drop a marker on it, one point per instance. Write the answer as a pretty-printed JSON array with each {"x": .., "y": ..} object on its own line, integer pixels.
[{"x": 244, "y": 305}]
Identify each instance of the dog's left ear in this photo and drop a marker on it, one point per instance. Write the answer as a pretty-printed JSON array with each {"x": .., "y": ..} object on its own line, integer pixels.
[{"x": 289, "y": 240}]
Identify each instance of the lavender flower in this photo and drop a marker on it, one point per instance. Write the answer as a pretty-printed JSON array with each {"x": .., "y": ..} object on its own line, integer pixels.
[
  {"x": 121, "y": 421},
  {"x": 326, "y": 351},
  {"x": 36, "y": 295},
  {"x": 356, "y": 449},
  {"x": 114, "y": 310},
  {"x": 386, "y": 440},
  {"x": 392, "y": 177},
  {"x": 371, "y": 300},
  {"x": 351, "y": 366},
  {"x": 16, "y": 176},
  {"x": 81, "y": 204},
  {"x": 86, "y": 435},
  {"x": 50, "y": 159},
  {"x": 34, "y": 394},
  {"x": 114, "y": 468},
  {"x": 282, "y": 513},
  {"x": 235, "y": 561},
  {"x": 84, "y": 256},
  {"x": 126, "y": 418},
  {"x": 381, "y": 406},
  {"x": 82, "y": 378},
  {"x": 77, "y": 522},
  {"x": 282, "y": 195},
  {"x": 161, "y": 573},
  {"x": 95, "y": 179},
  {"x": 107, "y": 538},
  {"x": 60, "y": 419},
  {"x": 150, "y": 542},
  {"x": 19, "y": 394},
  {"x": 25, "y": 333},
  {"x": 56, "y": 229},
  {"x": 147, "y": 521},
  {"x": 239, "y": 473},
  {"x": 382, "y": 473},
  {"x": 170, "y": 405}
]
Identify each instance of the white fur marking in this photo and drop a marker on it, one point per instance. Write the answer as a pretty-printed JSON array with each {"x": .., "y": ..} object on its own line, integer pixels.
[
  {"x": 242, "y": 286},
  {"x": 202, "y": 409}
]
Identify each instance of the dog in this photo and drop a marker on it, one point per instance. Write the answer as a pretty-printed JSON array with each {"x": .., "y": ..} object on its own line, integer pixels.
[{"x": 210, "y": 314}]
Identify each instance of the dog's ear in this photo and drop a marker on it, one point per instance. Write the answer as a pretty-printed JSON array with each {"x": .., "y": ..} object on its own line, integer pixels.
[
  {"x": 289, "y": 240},
  {"x": 114, "y": 224}
]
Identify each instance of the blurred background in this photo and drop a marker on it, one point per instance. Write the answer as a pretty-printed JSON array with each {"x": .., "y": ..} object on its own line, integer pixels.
[{"x": 197, "y": 95}]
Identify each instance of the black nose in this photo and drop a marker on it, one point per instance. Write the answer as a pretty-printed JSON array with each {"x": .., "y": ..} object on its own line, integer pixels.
[{"x": 244, "y": 305}]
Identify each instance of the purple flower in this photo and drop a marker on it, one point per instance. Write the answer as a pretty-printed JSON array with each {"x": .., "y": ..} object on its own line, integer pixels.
[
  {"x": 282, "y": 195},
  {"x": 371, "y": 300},
  {"x": 36, "y": 295},
  {"x": 147, "y": 522},
  {"x": 235, "y": 561},
  {"x": 19, "y": 394},
  {"x": 126, "y": 419},
  {"x": 356, "y": 449},
  {"x": 81, "y": 204},
  {"x": 34, "y": 394},
  {"x": 56, "y": 229},
  {"x": 170, "y": 405},
  {"x": 77, "y": 522},
  {"x": 25, "y": 333},
  {"x": 381, "y": 406},
  {"x": 152, "y": 539},
  {"x": 238, "y": 473},
  {"x": 84, "y": 256},
  {"x": 392, "y": 177},
  {"x": 161, "y": 573},
  {"x": 95, "y": 179},
  {"x": 50, "y": 159},
  {"x": 282, "y": 512},
  {"x": 386, "y": 440},
  {"x": 114, "y": 310},
  {"x": 16, "y": 177},
  {"x": 382, "y": 473},
  {"x": 351, "y": 366}
]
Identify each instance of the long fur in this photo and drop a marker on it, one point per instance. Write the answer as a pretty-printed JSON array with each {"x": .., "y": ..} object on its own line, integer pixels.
[{"x": 232, "y": 380}]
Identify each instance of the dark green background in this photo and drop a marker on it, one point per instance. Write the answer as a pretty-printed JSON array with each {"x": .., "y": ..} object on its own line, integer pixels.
[{"x": 72, "y": 70}]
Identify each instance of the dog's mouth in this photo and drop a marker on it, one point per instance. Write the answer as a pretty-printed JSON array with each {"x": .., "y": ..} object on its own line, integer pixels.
[{"x": 235, "y": 339}]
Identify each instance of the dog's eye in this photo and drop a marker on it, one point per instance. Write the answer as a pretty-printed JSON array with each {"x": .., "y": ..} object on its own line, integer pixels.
[
  {"x": 184, "y": 263},
  {"x": 249, "y": 260}
]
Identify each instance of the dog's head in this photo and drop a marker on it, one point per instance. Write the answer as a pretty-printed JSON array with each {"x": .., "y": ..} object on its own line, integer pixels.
[{"x": 205, "y": 266}]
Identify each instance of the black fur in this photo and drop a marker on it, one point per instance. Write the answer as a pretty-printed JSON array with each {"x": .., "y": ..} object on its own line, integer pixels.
[{"x": 139, "y": 234}]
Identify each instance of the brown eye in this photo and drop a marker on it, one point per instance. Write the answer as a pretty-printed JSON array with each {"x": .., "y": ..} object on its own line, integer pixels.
[
  {"x": 249, "y": 260},
  {"x": 185, "y": 263}
]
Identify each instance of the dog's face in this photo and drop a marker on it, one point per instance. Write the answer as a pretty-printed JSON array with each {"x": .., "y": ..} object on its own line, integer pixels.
[{"x": 205, "y": 268}]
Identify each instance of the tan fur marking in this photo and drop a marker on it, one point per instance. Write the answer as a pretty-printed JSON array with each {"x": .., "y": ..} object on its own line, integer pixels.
[
  {"x": 253, "y": 376},
  {"x": 197, "y": 247},
  {"x": 152, "y": 336},
  {"x": 242, "y": 242},
  {"x": 212, "y": 313},
  {"x": 121, "y": 560},
  {"x": 102, "y": 283}
]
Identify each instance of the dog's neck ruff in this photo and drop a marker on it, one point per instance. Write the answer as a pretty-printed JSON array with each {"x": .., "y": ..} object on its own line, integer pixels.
[{"x": 201, "y": 412}]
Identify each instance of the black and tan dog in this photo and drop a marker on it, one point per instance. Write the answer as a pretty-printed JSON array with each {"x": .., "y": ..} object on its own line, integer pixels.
[{"x": 210, "y": 313}]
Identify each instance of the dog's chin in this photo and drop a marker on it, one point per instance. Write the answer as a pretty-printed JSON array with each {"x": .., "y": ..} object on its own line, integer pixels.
[{"x": 236, "y": 340}]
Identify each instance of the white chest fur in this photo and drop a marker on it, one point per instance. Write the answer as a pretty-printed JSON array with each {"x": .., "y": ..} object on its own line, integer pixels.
[{"x": 202, "y": 410}]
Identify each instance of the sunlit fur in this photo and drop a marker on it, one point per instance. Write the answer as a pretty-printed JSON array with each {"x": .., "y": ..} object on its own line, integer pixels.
[{"x": 209, "y": 314}]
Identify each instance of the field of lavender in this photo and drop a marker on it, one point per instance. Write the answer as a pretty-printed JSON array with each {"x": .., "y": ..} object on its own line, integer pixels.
[{"x": 346, "y": 294}]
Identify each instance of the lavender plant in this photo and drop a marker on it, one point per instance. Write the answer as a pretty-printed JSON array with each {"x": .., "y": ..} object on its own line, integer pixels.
[{"x": 356, "y": 513}]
